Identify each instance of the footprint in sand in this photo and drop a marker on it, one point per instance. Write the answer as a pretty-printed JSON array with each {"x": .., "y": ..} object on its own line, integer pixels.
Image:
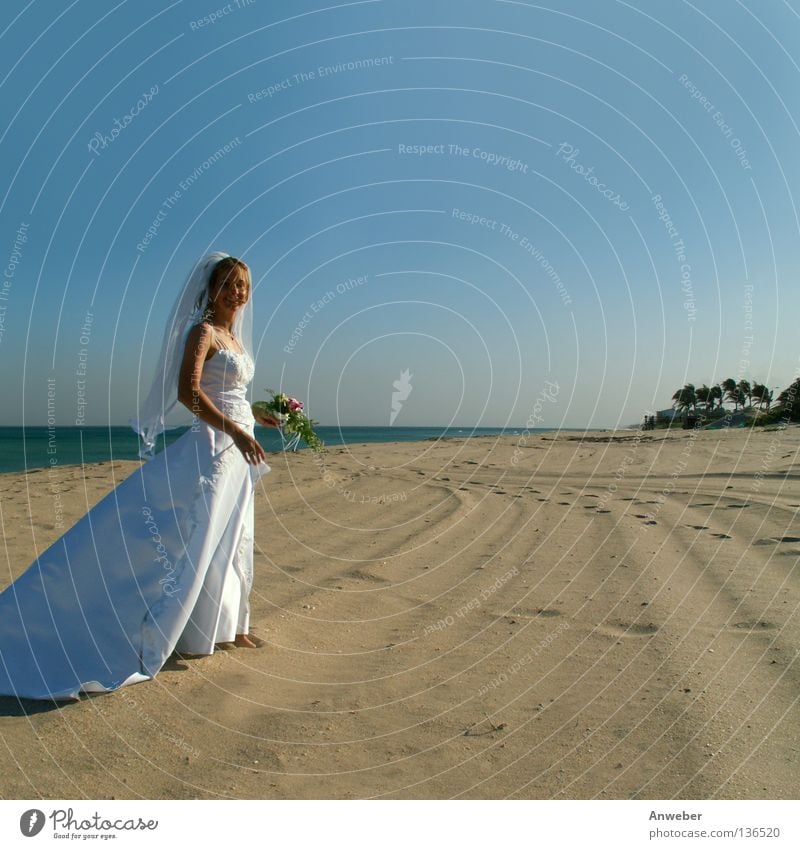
[
  {"x": 627, "y": 629},
  {"x": 736, "y": 506},
  {"x": 534, "y": 613},
  {"x": 360, "y": 575},
  {"x": 722, "y": 536},
  {"x": 698, "y": 527},
  {"x": 757, "y": 625},
  {"x": 775, "y": 540}
]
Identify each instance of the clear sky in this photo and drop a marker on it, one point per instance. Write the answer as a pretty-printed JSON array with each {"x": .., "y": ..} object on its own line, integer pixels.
[{"x": 590, "y": 194}]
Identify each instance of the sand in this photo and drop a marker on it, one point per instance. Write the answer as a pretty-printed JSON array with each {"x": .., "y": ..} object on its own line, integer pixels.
[{"x": 608, "y": 615}]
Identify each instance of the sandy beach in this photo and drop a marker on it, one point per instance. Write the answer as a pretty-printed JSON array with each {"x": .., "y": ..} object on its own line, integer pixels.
[{"x": 571, "y": 616}]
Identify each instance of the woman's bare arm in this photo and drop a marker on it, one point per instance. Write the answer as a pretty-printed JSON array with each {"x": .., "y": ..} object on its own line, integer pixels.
[{"x": 190, "y": 392}]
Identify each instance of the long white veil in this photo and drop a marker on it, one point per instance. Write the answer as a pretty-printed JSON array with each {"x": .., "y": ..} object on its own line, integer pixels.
[{"x": 162, "y": 397}]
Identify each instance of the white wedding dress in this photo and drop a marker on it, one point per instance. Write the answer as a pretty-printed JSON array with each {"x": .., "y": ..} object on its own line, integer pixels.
[{"x": 164, "y": 562}]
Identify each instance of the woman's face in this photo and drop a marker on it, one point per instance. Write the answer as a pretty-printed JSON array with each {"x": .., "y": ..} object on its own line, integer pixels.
[{"x": 232, "y": 291}]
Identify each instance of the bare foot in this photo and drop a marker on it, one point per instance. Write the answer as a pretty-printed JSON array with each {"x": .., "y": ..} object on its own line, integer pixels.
[{"x": 243, "y": 641}]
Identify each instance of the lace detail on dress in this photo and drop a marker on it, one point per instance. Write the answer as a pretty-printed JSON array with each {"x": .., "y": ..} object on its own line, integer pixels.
[
  {"x": 242, "y": 367},
  {"x": 219, "y": 464},
  {"x": 239, "y": 411}
]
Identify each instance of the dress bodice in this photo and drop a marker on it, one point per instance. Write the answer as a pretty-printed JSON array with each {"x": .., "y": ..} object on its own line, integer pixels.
[{"x": 225, "y": 378}]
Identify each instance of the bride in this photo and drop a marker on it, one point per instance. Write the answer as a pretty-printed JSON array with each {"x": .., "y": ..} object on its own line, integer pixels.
[{"x": 164, "y": 562}]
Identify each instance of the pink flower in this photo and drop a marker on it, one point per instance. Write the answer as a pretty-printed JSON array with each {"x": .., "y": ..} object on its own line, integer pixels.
[{"x": 295, "y": 405}]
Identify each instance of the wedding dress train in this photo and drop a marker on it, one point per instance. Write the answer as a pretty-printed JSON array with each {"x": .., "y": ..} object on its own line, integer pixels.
[{"x": 164, "y": 562}]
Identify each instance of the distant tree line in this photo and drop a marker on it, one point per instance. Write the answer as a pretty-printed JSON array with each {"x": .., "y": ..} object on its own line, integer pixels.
[{"x": 755, "y": 397}]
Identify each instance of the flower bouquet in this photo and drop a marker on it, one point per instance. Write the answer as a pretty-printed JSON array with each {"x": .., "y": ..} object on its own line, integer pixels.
[{"x": 291, "y": 417}]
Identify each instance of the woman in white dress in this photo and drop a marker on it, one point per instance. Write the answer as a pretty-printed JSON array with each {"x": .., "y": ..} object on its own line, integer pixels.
[{"x": 164, "y": 562}]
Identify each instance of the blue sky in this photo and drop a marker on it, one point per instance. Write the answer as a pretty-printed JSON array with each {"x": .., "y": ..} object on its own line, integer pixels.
[{"x": 599, "y": 186}]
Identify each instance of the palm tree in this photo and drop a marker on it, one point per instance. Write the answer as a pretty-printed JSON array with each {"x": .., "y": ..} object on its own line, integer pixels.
[
  {"x": 715, "y": 394},
  {"x": 789, "y": 400},
  {"x": 685, "y": 398},
  {"x": 762, "y": 393},
  {"x": 747, "y": 392},
  {"x": 703, "y": 396},
  {"x": 731, "y": 392}
]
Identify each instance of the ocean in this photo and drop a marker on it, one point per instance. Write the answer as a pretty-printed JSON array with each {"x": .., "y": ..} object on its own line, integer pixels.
[{"x": 24, "y": 448}]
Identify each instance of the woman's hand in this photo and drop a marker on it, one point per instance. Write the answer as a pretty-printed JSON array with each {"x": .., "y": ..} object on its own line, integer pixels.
[
  {"x": 250, "y": 448},
  {"x": 266, "y": 420}
]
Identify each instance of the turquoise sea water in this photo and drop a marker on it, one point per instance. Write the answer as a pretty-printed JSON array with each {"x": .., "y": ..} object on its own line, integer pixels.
[{"x": 40, "y": 447}]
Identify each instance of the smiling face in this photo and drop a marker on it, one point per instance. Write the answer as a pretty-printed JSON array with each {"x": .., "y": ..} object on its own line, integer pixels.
[{"x": 229, "y": 289}]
